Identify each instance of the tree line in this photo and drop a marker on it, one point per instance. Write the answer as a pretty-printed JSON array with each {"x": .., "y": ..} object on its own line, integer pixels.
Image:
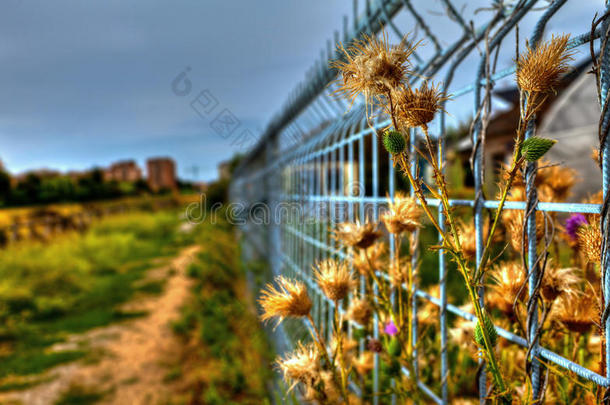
[{"x": 35, "y": 188}]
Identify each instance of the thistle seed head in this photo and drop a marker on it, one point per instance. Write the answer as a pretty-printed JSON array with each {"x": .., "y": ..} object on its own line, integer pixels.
[
  {"x": 364, "y": 364},
  {"x": 369, "y": 259},
  {"x": 289, "y": 300},
  {"x": 514, "y": 222},
  {"x": 559, "y": 281},
  {"x": 404, "y": 214},
  {"x": 301, "y": 366},
  {"x": 353, "y": 234},
  {"x": 590, "y": 242},
  {"x": 372, "y": 67},
  {"x": 539, "y": 69},
  {"x": 427, "y": 312},
  {"x": 334, "y": 278},
  {"x": 417, "y": 107},
  {"x": 462, "y": 334},
  {"x": 399, "y": 273},
  {"x": 508, "y": 279},
  {"x": 359, "y": 311},
  {"x": 577, "y": 313}
]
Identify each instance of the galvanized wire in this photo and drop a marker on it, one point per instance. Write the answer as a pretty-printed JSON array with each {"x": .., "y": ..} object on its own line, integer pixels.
[{"x": 313, "y": 154}]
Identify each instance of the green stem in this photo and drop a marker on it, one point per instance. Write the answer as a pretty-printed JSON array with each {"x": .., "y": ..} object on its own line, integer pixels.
[
  {"x": 517, "y": 161},
  {"x": 339, "y": 338},
  {"x": 488, "y": 348},
  {"x": 319, "y": 340},
  {"x": 494, "y": 369},
  {"x": 386, "y": 302}
]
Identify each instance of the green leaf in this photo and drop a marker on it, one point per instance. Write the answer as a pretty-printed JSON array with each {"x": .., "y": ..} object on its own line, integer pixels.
[{"x": 534, "y": 148}]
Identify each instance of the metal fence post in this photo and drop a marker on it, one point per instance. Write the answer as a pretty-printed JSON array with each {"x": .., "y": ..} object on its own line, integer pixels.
[{"x": 605, "y": 218}]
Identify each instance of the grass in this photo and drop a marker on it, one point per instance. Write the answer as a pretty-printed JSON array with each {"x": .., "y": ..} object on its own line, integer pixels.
[
  {"x": 233, "y": 352},
  {"x": 80, "y": 395},
  {"x": 75, "y": 283},
  {"x": 151, "y": 287}
]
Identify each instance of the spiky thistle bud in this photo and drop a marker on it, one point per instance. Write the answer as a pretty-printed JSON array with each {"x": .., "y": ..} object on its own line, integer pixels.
[
  {"x": 490, "y": 329},
  {"x": 394, "y": 142},
  {"x": 394, "y": 348},
  {"x": 535, "y": 147}
]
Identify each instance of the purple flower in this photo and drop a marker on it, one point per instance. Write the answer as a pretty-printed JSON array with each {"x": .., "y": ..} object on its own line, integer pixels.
[
  {"x": 574, "y": 222},
  {"x": 390, "y": 329}
]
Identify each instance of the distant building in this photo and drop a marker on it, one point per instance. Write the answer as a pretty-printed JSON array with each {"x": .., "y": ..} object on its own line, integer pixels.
[
  {"x": 161, "y": 174},
  {"x": 224, "y": 170},
  {"x": 126, "y": 170},
  {"x": 570, "y": 116}
]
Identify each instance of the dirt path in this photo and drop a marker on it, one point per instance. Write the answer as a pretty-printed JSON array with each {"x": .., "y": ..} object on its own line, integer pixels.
[{"x": 132, "y": 358}]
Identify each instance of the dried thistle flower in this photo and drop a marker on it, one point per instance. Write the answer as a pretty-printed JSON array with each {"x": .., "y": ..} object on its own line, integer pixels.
[
  {"x": 364, "y": 364},
  {"x": 597, "y": 198},
  {"x": 468, "y": 238},
  {"x": 331, "y": 391},
  {"x": 595, "y": 154},
  {"x": 301, "y": 366},
  {"x": 468, "y": 241},
  {"x": 359, "y": 311},
  {"x": 374, "y": 345},
  {"x": 357, "y": 235},
  {"x": 514, "y": 226},
  {"x": 334, "y": 278},
  {"x": 539, "y": 69},
  {"x": 558, "y": 281},
  {"x": 427, "y": 313},
  {"x": 508, "y": 279},
  {"x": 462, "y": 335},
  {"x": 399, "y": 273},
  {"x": 373, "y": 67},
  {"x": 417, "y": 107},
  {"x": 559, "y": 180},
  {"x": 289, "y": 300},
  {"x": 590, "y": 242},
  {"x": 577, "y": 313},
  {"x": 553, "y": 182},
  {"x": 464, "y": 401},
  {"x": 369, "y": 259},
  {"x": 403, "y": 216}
]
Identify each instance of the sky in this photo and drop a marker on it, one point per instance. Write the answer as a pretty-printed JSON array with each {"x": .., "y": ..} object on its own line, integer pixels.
[{"x": 87, "y": 83}]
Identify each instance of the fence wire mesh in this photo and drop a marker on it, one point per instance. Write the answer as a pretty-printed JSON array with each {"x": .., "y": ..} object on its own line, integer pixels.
[{"x": 317, "y": 165}]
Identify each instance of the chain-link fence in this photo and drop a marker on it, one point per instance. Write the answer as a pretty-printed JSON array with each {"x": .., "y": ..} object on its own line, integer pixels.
[{"x": 317, "y": 165}]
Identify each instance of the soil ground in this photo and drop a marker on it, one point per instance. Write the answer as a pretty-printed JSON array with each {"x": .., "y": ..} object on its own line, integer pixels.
[{"x": 130, "y": 361}]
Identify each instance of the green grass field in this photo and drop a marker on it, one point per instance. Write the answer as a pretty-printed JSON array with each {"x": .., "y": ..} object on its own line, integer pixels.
[
  {"x": 75, "y": 283},
  {"x": 232, "y": 350}
]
